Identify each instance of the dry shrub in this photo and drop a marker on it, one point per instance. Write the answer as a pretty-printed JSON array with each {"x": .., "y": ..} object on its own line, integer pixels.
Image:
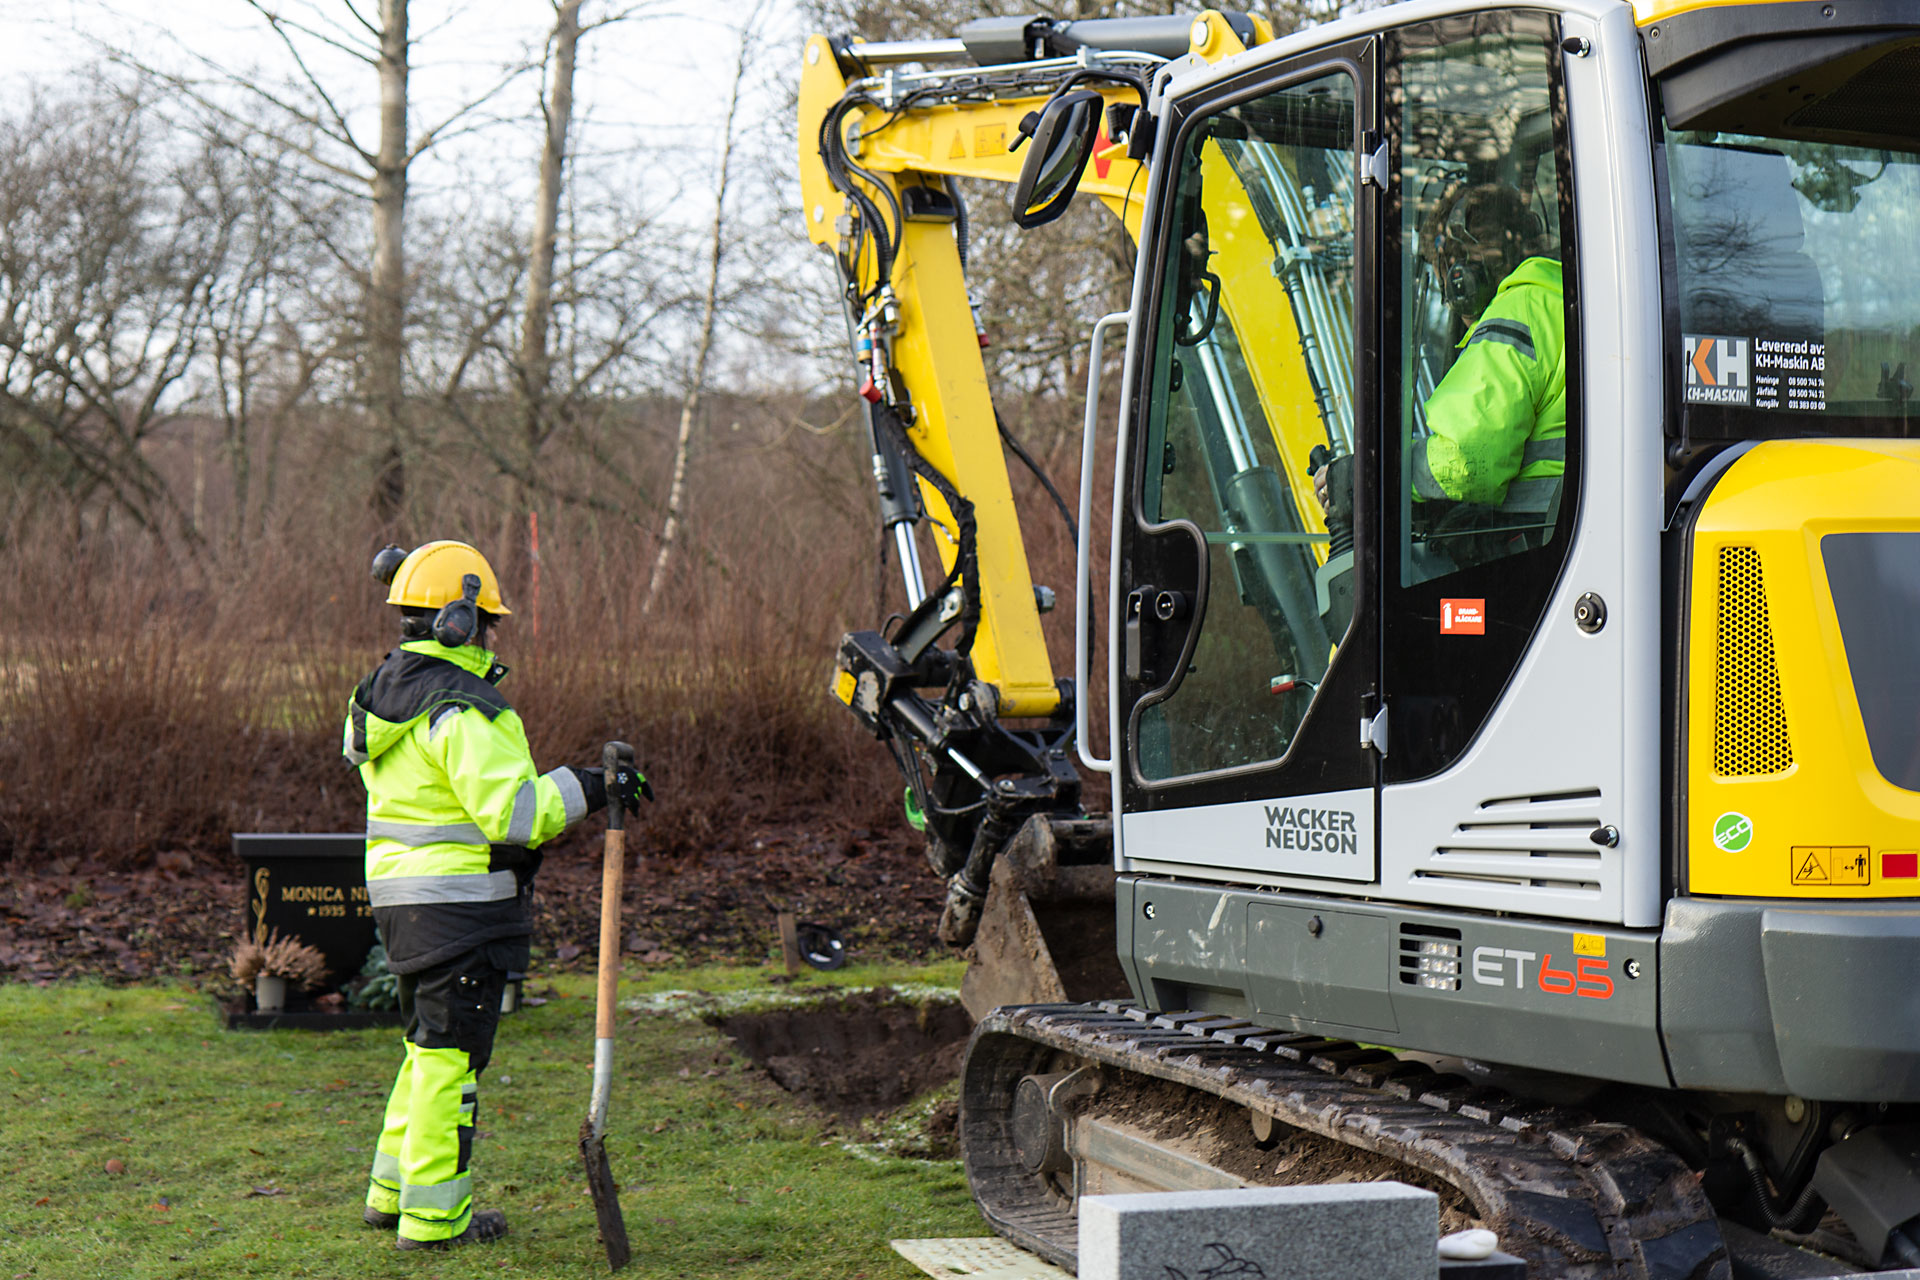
[
  {"x": 158, "y": 699},
  {"x": 289, "y": 958}
]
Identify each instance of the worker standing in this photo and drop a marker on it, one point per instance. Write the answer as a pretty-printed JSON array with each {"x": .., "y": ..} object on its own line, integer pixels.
[{"x": 456, "y": 814}]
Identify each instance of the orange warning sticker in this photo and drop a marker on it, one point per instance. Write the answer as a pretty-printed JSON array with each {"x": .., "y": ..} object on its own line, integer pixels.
[{"x": 1463, "y": 617}]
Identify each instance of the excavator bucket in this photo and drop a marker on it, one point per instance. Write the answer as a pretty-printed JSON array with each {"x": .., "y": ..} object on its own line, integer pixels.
[{"x": 1046, "y": 932}]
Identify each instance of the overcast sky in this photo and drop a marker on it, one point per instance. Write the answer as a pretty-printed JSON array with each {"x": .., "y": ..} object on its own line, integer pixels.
[{"x": 649, "y": 93}]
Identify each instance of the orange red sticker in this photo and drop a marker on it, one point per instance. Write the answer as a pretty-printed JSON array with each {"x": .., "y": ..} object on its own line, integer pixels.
[{"x": 1463, "y": 617}]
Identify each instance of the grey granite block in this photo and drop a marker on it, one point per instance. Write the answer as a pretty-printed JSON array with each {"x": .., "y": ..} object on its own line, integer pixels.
[{"x": 1351, "y": 1231}]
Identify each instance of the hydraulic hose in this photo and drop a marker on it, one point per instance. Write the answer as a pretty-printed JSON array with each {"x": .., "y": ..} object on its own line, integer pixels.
[
  {"x": 961, "y": 227},
  {"x": 1903, "y": 1247},
  {"x": 1801, "y": 1215}
]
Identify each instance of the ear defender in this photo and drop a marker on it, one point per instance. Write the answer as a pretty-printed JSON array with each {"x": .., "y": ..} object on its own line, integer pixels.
[
  {"x": 458, "y": 621},
  {"x": 387, "y": 562}
]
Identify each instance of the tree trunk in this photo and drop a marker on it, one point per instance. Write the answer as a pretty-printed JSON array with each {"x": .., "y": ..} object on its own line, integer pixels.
[
  {"x": 384, "y": 351},
  {"x": 689, "y": 407},
  {"x": 536, "y": 362}
]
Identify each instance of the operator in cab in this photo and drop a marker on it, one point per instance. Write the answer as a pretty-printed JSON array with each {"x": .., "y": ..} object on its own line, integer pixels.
[
  {"x": 456, "y": 815},
  {"x": 1497, "y": 422}
]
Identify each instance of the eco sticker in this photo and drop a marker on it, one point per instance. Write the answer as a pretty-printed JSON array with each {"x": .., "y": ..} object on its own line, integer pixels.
[{"x": 1732, "y": 832}]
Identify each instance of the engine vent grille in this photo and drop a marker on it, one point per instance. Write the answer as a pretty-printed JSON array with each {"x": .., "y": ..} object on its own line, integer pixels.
[
  {"x": 1749, "y": 721},
  {"x": 1430, "y": 956}
]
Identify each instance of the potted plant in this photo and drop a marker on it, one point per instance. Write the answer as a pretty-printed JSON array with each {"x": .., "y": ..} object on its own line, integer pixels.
[{"x": 271, "y": 967}]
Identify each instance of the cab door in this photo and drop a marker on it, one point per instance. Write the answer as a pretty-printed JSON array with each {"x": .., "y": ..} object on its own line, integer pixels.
[{"x": 1247, "y": 648}]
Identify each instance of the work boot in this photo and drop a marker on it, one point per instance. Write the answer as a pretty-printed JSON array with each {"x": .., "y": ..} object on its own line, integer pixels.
[
  {"x": 486, "y": 1226},
  {"x": 374, "y": 1218}
]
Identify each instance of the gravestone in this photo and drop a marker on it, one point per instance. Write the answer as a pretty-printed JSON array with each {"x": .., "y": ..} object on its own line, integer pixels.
[
  {"x": 1380, "y": 1230},
  {"x": 310, "y": 887}
]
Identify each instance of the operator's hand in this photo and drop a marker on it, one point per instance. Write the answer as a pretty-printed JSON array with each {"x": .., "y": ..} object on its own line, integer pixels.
[
  {"x": 628, "y": 785},
  {"x": 1320, "y": 486}
]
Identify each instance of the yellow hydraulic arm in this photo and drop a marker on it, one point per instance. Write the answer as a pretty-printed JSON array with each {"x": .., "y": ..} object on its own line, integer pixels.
[
  {"x": 933, "y": 344},
  {"x": 884, "y": 129}
]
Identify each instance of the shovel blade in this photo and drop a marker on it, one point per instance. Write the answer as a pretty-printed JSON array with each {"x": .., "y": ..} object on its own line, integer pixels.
[{"x": 606, "y": 1197}]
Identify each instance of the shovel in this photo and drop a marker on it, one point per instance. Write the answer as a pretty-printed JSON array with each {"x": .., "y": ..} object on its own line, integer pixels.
[{"x": 593, "y": 1133}]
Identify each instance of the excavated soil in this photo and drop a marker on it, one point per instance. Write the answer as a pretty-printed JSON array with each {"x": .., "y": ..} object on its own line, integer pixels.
[
  {"x": 857, "y": 1056},
  {"x": 1219, "y": 1132}
]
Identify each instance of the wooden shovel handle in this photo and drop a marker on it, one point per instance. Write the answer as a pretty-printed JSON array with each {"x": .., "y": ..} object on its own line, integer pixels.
[
  {"x": 610, "y": 882},
  {"x": 612, "y": 756}
]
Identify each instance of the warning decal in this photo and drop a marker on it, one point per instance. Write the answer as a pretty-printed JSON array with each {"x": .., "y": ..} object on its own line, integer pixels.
[
  {"x": 1810, "y": 865},
  {"x": 1835, "y": 865}
]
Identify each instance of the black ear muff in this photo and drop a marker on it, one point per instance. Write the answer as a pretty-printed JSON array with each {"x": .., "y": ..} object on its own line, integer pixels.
[
  {"x": 458, "y": 621},
  {"x": 387, "y": 562}
]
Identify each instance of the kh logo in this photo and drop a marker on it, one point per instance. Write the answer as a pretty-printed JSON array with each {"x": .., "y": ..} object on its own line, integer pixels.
[{"x": 1718, "y": 370}]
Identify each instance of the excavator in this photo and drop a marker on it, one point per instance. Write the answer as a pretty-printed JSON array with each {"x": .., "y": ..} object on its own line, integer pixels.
[{"x": 1513, "y": 781}]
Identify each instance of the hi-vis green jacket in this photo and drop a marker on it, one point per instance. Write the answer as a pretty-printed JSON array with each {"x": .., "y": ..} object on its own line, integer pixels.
[
  {"x": 1498, "y": 420},
  {"x": 454, "y": 805}
]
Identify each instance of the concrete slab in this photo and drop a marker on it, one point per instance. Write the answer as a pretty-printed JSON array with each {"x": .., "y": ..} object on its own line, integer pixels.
[
  {"x": 1381, "y": 1230},
  {"x": 976, "y": 1258}
]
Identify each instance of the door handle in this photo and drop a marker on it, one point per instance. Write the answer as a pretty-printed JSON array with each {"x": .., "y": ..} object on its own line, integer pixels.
[{"x": 1139, "y": 601}]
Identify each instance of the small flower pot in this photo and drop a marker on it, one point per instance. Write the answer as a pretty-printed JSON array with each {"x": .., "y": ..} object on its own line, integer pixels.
[{"x": 269, "y": 993}]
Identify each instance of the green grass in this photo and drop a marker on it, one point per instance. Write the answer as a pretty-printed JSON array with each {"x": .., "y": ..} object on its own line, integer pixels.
[{"x": 245, "y": 1153}]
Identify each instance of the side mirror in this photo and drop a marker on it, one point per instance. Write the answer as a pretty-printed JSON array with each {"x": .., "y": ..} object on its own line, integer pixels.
[{"x": 1063, "y": 141}]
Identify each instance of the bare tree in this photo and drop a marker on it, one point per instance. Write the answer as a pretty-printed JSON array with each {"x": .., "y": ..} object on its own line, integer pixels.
[
  {"x": 709, "y": 305},
  {"x": 310, "y": 119},
  {"x": 106, "y": 276}
]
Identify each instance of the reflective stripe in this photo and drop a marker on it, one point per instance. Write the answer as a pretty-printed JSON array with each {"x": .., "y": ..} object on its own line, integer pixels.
[
  {"x": 1502, "y": 329},
  {"x": 356, "y": 758},
  {"x": 416, "y": 834},
  {"x": 407, "y": 891},
  {"x": 448, "y": 1197},
  {"x": 571, "y": 793},
  {"x": 1532, "y": 497},
  {"x": 526, "y": 808},
  {"x": 443, "y": 716},
  {"x": 1554, "y": 450},
  {"x": 1424, "y": 483},
  {"x": 386, "y": 1170}
]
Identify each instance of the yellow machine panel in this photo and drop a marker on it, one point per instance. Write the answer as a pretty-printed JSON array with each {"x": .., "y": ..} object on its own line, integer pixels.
[{"x": 1784, "y": 798}]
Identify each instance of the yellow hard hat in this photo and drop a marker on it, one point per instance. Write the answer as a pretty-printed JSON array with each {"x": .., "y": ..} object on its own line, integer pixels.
[{"x": 431, "y": 576}]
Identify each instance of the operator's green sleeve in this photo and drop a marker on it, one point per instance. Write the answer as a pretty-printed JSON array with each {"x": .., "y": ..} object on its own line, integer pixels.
[
  {"x": 489, "y": 767},
  {"x": 1499, "y": 416}
]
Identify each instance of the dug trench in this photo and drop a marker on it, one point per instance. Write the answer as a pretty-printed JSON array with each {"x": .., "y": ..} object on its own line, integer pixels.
[{"x": 861, "y": 1057}]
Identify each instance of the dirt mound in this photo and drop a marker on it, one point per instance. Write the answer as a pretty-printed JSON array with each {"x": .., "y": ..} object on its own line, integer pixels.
[{"x": 857, "y": 1056}]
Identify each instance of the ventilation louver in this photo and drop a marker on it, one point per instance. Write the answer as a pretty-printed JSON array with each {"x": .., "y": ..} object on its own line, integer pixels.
[{"x": 1749, "y": 721}]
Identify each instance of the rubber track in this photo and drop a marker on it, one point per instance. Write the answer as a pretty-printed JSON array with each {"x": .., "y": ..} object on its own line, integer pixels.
[{"x": 1579, "y": 1199}]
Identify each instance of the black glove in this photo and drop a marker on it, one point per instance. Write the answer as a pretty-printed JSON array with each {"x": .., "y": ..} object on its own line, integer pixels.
[
  {"x": 627, "y": 785},
  {"x": 593, "y": 785}
]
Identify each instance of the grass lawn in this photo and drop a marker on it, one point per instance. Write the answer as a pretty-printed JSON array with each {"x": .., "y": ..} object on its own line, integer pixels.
[{"x": 246, "y": 1153}]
